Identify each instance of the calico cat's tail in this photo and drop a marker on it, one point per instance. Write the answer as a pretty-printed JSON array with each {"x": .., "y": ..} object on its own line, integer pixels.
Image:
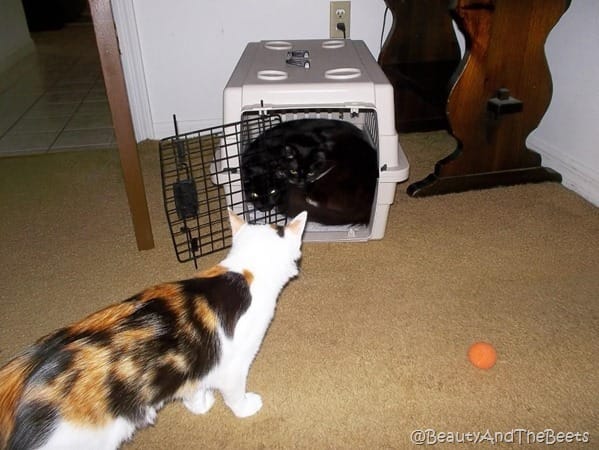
[{"x": 13, "y": 377}]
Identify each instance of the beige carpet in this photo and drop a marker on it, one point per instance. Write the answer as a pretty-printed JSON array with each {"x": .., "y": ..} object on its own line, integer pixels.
[{"x": 369, "y": 344}]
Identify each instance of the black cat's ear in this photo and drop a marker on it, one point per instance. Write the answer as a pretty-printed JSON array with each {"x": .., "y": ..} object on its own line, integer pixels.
[
  {"x": 235, "y": 221},
  {"x": 297, "y": 225}
]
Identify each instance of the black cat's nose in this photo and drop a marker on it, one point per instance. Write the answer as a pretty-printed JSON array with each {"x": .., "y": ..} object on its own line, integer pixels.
[
  {"x": 264, "y": 207},
  {"x": 298, "y": 183}
]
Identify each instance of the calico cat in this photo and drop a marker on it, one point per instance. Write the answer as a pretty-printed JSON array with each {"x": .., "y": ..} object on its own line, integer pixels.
[
  {"x": 92, "y": 384},
  {"x": 323, "y": 166}
]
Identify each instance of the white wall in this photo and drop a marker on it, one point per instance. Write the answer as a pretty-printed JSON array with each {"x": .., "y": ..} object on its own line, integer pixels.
[
  {"x": 568, "y": 136},
  {"x": 15, "y": 42},
  {"x": 190, "y": 47}
]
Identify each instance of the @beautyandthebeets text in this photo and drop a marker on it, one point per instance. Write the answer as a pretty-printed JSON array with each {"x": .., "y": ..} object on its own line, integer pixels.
[{"x": 517, "y": 436}]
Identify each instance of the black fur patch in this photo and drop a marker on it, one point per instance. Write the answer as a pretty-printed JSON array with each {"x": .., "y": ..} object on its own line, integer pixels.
[
  {"x": 167, "y": 380},
  {"x": 227, "y": 294},
  {"x": 152, "y": 313},
  {"x": 34, "y": 422},
  {"x": 202, "y": 354},
  {"x": 123, "y": 400},
  {"x": 49, "y": 358},
  {"x": 281, "y": 230}
]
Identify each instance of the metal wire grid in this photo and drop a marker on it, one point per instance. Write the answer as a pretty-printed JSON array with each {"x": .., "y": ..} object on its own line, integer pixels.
[
  {"x": 201, "y": 178},
  {"x": 363, "y": 118}
]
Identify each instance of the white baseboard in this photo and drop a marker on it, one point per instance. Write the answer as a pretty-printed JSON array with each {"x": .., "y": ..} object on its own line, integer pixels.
[
  {"x": 576, "y": 176},
  {"x": 133, "y": 69}
]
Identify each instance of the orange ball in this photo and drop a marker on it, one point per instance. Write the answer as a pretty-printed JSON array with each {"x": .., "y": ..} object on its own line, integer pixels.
[{"x": 482, "y": 355}]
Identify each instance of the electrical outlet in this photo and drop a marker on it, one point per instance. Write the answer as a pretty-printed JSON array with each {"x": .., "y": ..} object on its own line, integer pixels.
[{"x": 339, "y": 13}]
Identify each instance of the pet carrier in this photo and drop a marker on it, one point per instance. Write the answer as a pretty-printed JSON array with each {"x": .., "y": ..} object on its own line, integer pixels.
[
  {"x": 343, "y": 81},
  {"x": 276, "y": 81}
]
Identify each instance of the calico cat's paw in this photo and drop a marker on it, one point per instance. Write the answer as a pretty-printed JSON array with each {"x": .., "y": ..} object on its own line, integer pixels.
[
  {"x": 249, "y": 405},
  {"x": 200, "y": 402}
]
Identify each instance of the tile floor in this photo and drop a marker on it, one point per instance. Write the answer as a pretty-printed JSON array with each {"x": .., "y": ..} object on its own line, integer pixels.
[{"x": 55, "y": 100}]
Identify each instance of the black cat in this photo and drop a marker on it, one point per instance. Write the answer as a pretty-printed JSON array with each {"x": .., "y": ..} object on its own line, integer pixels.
[{"x": 324, "y": 166}]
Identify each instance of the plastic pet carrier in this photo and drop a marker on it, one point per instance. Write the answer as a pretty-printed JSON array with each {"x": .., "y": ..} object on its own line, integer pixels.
[{"x": 273, "y": 82}]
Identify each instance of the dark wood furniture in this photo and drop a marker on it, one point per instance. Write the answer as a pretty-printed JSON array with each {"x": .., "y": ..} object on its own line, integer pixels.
[
  {"x": 502, "y": 90},
  {"x": 116, "y": 91},
  {"x": 419, "y": 57}
]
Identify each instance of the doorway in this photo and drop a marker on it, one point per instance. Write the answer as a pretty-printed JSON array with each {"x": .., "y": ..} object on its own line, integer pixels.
[{"x": 55, "y": 99}]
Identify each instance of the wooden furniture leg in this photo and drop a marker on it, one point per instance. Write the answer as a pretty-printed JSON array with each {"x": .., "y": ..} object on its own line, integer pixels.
[
  {"x": 419, "y": 57},
  {"x": 502, "y": 90},
  {"x": 114, "y": 80}
]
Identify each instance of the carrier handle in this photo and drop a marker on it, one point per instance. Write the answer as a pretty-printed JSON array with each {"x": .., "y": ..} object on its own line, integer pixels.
[
  {"x": 343, "y": 73},
  {"x": 272, "y": 75}
]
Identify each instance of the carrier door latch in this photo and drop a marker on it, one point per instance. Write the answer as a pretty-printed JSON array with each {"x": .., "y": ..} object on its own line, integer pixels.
[
  {"x": 299, "y": 58},
  {"x": 262, "y": 111}
]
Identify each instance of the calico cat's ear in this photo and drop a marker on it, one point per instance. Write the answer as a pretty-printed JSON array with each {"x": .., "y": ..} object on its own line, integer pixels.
[
  {"x": 297, "y": 225},
  {"x": 235, "y": 221}
]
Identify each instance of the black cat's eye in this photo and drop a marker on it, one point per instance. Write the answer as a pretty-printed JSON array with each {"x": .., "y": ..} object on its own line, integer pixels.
[
  {"x": 272, "y": 191},
  {"x": 254, "y": 195},
  {"x": 293, "y": 171}
]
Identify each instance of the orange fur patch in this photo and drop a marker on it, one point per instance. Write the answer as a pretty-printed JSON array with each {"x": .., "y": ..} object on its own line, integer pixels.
[
  {"x": 214, "y": 271},
  {"x": 127, "y": 369},
  {"x": 86, "y": 403},
  {"x": 249, "y": 276},
  {"x": 11, "y": 389},
  {"x": 104, "y": 319},
  {"x": 167, "y": 291},
  {"x": 176, "y": 360},
  {"x": 128, "y": 340},
  {"x": 206, "y": 315}
]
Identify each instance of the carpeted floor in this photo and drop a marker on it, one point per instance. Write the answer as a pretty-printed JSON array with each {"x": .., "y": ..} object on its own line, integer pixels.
[{"x": 369, "y": 343}]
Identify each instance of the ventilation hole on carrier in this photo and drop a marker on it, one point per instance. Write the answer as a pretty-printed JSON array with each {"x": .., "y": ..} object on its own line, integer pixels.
[
  {"x": 278, "y": 45},
  {"x": 272, "y": 75},
  {"x": 343, "y": 73},
  {"x": 333, "y": 44}
]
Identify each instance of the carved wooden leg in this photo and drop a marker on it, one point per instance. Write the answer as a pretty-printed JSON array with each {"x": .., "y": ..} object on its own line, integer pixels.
[{"x": 502, "y": 90}]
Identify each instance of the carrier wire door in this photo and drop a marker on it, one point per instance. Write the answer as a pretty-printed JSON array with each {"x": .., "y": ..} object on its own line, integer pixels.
[{"x": 201, "y": 178}]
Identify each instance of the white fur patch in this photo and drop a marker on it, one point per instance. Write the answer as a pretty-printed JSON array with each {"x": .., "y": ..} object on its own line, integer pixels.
[
  {"x": 272, "y": 261},
  {"x": 69, "y": 436}
]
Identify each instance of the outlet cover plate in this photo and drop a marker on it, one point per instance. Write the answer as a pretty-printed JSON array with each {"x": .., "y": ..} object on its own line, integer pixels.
[{"x": 339, "y": 12}]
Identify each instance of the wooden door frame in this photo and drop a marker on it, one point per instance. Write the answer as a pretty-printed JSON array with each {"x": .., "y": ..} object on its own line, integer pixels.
[{"x": 112, "y": 70}]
